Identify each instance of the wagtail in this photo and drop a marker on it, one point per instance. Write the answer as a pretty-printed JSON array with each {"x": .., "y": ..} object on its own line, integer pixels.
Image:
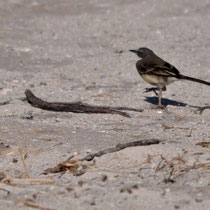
[{"x": 158, "y": 72}]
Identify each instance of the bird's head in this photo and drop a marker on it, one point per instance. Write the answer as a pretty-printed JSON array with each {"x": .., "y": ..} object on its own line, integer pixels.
[{"x": 142, "y": 52}]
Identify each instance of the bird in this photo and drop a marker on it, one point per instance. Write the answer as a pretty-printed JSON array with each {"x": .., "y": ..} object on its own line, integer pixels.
[{"x": 157, "y": 72}]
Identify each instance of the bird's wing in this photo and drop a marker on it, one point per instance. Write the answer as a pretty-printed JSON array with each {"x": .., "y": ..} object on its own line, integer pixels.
[{"x": 166, "y": 70}]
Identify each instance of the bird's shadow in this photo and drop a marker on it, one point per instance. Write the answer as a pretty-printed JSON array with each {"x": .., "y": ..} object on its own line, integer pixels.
[{"x": 166, "y": 102}]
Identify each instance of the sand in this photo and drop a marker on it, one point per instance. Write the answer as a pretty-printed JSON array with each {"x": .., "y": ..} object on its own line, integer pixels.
[{"x": 69, "y": 51}]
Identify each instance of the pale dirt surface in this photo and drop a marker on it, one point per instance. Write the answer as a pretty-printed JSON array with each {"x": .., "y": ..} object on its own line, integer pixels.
[{"x": 78, "y": 51}]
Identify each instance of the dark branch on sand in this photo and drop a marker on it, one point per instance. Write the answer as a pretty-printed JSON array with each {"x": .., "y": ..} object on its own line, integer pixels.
[
  {"x": 201, "y": 110},
  {"x": 121, "y": 147},
  {"x": 64, "y": 166},
  {"x": 77, "y": 107}
]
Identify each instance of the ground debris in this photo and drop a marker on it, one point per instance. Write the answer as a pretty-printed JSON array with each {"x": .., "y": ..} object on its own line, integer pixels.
[
  {"x": 2, "y": 175},
  {"x": 202, "y": 109},
  {"x": 77, "y": 107},
  {"x": 34, "y": 205},
  {"x": 25, "y": 182},
  {"x": 2, "y": 103},
  {"x": 204, "y": 144},
  {"x": 129, "y": 189},
  {"x": 173, "y": 127},
  {"x": 120, "y": 147},
  {"x": 77, "y": 168}
]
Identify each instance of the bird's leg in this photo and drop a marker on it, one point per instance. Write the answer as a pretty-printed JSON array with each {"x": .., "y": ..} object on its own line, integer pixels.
[
  {"x": 159, "y": 94},
  {"x": 164, "y": 88},
  {"x": 160, "y": 97},
  {"x": 152, "y": 89}
]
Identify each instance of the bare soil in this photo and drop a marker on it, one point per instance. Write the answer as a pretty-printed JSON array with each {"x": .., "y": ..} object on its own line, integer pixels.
[{"x": 68, "y": 51}]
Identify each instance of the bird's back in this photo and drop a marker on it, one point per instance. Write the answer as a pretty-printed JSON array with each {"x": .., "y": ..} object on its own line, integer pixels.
[{"x": 155, "y": 65}]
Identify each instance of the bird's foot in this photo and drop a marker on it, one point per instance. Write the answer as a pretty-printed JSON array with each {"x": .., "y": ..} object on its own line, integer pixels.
[
  {"x": 158, "y": 106},
  {"x": 146, "y": 90},
  {"x": 151, "y": 89},
  {"x": 161, "y": 106}
]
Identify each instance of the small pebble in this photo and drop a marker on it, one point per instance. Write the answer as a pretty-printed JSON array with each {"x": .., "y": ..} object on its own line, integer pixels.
[{"x": 28, "y": 115}]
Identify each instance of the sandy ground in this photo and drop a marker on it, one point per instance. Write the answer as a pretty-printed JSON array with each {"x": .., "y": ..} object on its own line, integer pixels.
[{"x": 78, "y": 51}]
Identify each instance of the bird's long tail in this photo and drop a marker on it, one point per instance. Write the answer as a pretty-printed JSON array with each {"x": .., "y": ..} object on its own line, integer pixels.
[{"x": 194, "y": 80}]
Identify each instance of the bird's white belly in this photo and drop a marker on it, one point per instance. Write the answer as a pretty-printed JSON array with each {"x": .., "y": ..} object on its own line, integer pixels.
[{"x": 158, "y": 80}]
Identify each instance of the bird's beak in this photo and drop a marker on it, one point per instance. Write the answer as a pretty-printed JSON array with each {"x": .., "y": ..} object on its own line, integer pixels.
[{"x": 134, "y": 51}]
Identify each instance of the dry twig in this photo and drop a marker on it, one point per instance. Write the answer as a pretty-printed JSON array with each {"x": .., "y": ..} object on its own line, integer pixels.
[
  {"x": 204, "y": 144},
  {"x": 77, "y": 107},
  {"x": 22, "y": 182},
  {"x": 173, "y": 127},
  {"x": 23, "y": 162},
  {"x": 190, "y": 134},
  {"x": 120, "y": 147},
  {"x": 74, "y": 164},
  {"x": 33, "y": 205}
]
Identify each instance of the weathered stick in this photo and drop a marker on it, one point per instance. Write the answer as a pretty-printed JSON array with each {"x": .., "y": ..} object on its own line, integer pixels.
[
  {"x": 121, "y": 147},
  {"x": 62, "y": 167},
  {"x": 34, "y": 205},
  {"x": 201, "y": 109},
  {"x": 77, "y": 107},
  {"x": 23, "y": 162}
]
